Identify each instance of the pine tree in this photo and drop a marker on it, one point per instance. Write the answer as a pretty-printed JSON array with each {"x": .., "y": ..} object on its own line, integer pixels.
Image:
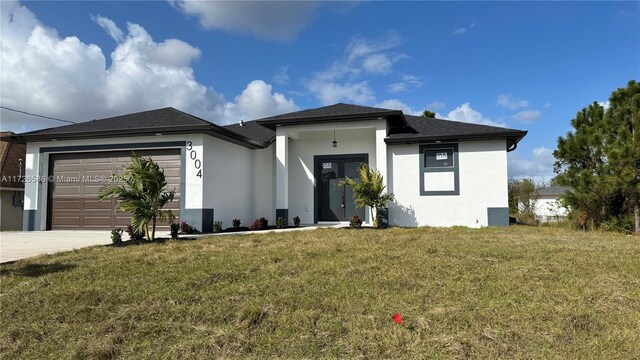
[{"x": 600, "y": 161}]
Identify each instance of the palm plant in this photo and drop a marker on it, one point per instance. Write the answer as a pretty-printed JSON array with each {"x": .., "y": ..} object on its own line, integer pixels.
[
  {"x": 369, "y": 191},
  {"x": 142, "y": 192}
]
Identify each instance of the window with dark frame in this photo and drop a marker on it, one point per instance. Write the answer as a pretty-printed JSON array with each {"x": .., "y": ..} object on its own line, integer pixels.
[{"x": 439, "y": 158}]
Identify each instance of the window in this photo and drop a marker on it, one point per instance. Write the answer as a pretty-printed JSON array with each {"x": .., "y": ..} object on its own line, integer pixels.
[{"x": 439, "y": 170}]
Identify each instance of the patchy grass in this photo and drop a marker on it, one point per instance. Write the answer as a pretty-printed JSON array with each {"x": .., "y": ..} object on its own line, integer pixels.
[{"x": 520, "y": 292}]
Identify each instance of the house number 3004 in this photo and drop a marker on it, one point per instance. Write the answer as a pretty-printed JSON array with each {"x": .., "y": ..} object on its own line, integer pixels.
[{"x": 193, "y": 155}]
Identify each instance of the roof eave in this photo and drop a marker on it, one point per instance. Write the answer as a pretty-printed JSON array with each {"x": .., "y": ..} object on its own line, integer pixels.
[
  {"x": 212, "y": 130},
  {"x": 272, "y": 124},
  {"x": 514, "y": 136}
]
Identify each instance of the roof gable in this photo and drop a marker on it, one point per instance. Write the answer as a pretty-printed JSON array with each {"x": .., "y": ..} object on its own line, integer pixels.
[{"x": 334, "y": 113}]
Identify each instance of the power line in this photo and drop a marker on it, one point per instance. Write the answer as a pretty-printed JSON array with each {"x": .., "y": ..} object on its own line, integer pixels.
[{"x": 41, "y": 116}]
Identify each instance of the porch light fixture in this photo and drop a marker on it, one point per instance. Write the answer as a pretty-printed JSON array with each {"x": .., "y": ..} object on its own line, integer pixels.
[{"x": 334, "y": 142}]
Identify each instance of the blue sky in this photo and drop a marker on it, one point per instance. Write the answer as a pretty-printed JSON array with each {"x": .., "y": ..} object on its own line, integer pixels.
[{"x": 524, "y": 65}]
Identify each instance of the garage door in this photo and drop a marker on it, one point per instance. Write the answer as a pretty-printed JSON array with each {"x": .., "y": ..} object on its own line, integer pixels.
[{"x": 77, "y": 179}]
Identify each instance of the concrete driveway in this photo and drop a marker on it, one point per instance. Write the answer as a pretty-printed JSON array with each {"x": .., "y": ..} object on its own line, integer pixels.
[{"x": 15, "y": 245}]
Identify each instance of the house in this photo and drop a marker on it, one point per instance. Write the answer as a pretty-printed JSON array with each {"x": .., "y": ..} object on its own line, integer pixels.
[
  {"x": 547, "y": 206},
  {"x": 12, "y": 157},
  {"x": 443, "y": 173}
]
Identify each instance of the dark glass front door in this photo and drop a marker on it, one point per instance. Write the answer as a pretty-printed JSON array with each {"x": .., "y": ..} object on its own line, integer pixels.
[{"x": 335, "y": 203}]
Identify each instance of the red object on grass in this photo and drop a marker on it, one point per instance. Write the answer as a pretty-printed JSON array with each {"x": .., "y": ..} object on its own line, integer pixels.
[{"x": 397, "y": 318}]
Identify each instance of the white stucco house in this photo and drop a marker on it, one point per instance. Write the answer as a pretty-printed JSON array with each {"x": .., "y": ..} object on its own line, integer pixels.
[
  {"x": 548, "y": 207},
  {"x": 443, "y": 173}
]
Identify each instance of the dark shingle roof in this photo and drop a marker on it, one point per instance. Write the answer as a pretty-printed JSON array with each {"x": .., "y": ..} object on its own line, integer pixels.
[
  {"x": 161, "y": 121},
  {"x": 554, "y": 190},
  {"x": 427, "y": 129},
  {"x": 253, "y": 130},
  {"x": 333, "y": 113},
  {"x": 154, "y": 120},
  {"x": 260, "y": 133}
]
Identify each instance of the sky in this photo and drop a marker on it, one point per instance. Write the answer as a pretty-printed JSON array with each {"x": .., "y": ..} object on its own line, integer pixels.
[{"x": 523, "y": 65}]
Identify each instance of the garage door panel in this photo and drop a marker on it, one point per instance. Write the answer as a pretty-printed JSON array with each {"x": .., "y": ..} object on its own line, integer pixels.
[
  {"x": 73, "y": 199},
  {"x": 66, "y": 204},
  {"x": 67, "y": 189}
]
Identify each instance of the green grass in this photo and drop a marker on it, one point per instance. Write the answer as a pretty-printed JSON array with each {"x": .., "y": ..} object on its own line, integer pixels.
[{"x": 521, "y": 292}]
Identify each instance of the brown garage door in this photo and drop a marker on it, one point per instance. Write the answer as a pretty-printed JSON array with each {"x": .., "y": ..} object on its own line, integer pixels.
[{"x": 77, "y": 179}]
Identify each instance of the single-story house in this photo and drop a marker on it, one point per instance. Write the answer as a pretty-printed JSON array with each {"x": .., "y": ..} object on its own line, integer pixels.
[
  {"x": 548, "y": 207},
  {"x": 12, "y": 157},
  {"x": 443, "y": 173}
]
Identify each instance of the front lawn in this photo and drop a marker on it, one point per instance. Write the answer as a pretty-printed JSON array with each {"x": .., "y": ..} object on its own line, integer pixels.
[{"x": 520, "y": 292}]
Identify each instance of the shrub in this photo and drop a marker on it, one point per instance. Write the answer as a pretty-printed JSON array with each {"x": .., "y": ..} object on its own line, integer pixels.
[
  {"x": 186, "y": 228},
  {"x": 280, "y": 222},
  {"x": 134, "y": 234},
  {"x": 116, "y": 236},
  {"x": 236, "y": 223},
  {"x": 259, "y": 224},
  {"x": 355, "y": 222},
  {"x": 296, "y": 221},
  {"x": 217, "y": 226},
  {"x": 175, "y": 228}
]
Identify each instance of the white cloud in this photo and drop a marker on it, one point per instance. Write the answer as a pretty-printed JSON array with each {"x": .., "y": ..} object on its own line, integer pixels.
[
  {"x": 546, "y": 105},
  {"x": 465, "y": 113},
  {"x": 527, "y": 116},
  {"x": 538, "y": 165},
  {"x": 604, "y": 104},
  {"x": 68, "y": 79},
  {"x": 408, "y": 82},
  {"x": 282, "y": 76},
  {"x": 332, "y": 92},
  {"x": 110, "y": 27},
  {"x": 277, "y": 20},
  {"x": 377, "y": 64},
  {"x": 257, "y": 101},
  {"x": 436, "y": 105},
  {"x": 510, "y": 102},
  {"x": 463, "y": 30},
  {"x": 395, "y": 104},
  {"x": 459, "y": 31},
  {"x": 343, "y": 80}
]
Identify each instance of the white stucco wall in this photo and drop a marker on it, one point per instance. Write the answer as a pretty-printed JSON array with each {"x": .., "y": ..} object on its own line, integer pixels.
[
  {"x": 264, "y": 199},
  {"x": 228, "y": 181},
  {"x": 549, "y": 209},
  {"x": 308, "y": 142},
  {"x": 483, "y": 184}
]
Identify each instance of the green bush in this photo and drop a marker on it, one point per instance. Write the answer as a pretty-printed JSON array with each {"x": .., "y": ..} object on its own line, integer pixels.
[{"x": 116, "y": 236}]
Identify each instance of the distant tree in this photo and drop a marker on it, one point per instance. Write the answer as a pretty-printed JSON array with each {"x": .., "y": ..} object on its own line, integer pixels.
[
  {"x": 428, "y": 114},
  {"x": 523, "y": 197},
  {"x": 600, "y": 161}
]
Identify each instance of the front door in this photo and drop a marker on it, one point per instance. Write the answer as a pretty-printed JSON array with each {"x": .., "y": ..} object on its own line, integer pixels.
[{"x": 333, "y": 202}]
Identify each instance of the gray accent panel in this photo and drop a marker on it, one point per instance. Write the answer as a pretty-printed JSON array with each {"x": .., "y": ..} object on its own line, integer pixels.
[
  {"x": 455, "y": 169},
  {"x": 498, "y": 216},
  {"x": 158, "y": 144},
  {"x": 283, "y": 213},
  {"x": 201, "y": 219},
  {"x": 29, "y": 220}
]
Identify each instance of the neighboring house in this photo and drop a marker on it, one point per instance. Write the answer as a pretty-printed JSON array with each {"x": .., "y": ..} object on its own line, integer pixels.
[
  {"x": 547, "y": 207},
  {"x": 12, "y": 157},
  {"x": 442, "y": 172}
]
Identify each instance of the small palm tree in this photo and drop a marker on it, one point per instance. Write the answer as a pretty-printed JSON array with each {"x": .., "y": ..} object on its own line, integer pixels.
[
  {"x": 142, "y": 192},
  {"x": 369, "y": 191}
]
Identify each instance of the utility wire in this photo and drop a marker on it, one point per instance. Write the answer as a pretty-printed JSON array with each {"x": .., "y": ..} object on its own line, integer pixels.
[{"x": 41, "y": 116}]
